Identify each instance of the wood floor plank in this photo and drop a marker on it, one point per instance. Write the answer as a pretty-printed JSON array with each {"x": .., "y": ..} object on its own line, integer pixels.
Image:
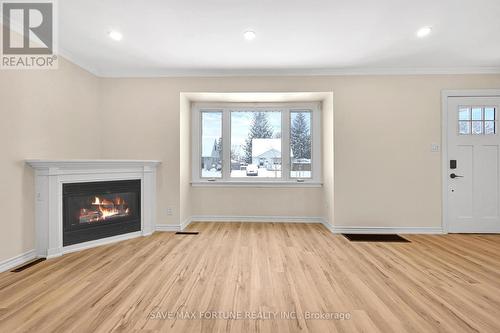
[{"x": 227, "y": 278}]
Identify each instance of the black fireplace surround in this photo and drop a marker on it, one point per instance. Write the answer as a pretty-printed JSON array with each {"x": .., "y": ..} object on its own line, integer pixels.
[{"x": 100, "y": 209}]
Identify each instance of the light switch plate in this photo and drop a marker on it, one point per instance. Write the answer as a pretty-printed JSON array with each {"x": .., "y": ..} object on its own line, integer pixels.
[{"x": 435, "y": 147}]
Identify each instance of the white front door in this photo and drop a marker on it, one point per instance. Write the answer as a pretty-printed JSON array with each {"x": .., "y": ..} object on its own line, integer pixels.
[{"x": 473, "y": 179}]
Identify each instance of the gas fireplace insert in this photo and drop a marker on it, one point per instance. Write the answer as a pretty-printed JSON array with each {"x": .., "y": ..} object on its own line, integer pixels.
[{"x": 100, "y": 209}]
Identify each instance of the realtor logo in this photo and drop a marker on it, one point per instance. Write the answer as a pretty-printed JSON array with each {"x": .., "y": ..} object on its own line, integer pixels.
[{"x": 28, "y": 35}]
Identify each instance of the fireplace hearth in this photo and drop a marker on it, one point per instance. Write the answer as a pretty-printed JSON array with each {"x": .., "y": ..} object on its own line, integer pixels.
[{"x": 94, "y": 210}]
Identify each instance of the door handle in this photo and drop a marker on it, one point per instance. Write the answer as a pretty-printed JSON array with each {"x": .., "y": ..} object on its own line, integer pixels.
[{"x": 453, "y": 176}]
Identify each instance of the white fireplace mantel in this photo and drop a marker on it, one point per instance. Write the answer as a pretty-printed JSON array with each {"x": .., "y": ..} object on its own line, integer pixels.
[{"x": 50, "y": 175}]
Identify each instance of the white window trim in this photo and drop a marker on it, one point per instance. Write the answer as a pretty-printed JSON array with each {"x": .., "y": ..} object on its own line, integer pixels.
[{"x": 285, "y": 180}]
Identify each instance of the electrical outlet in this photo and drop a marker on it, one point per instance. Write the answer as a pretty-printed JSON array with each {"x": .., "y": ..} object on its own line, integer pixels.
[{"x": 169, "y": 211}]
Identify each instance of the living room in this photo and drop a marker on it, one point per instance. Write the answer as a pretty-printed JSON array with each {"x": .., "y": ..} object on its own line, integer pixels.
[{"x": 337, "y": 175}]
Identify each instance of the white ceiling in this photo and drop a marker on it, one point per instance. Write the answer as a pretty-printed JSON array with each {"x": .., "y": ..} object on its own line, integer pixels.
[{"x": 205, "y": 37}]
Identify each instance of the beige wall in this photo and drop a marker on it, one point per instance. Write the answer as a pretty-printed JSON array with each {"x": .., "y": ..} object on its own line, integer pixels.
[
  {"x": 44, "y": 114},
  {"x": 385, "y": 173}
]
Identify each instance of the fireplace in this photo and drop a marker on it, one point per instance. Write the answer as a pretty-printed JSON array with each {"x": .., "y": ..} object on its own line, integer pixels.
[
  {"x": 95, "y": 210},
  {"x": 67, "y": 214}
]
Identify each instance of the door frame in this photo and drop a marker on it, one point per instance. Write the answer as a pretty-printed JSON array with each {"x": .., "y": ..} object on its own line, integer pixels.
[{"x": 445, "y": 94}]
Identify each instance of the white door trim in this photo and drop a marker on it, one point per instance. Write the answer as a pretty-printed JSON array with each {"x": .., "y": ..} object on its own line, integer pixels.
[{"x": 445, "y": 94}]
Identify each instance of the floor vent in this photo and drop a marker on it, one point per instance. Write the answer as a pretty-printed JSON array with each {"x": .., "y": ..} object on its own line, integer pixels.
[
  {"x": 187, "y": 233},
  {"x": 27, "y": 265},
  {"x": 375, "y": 238}
]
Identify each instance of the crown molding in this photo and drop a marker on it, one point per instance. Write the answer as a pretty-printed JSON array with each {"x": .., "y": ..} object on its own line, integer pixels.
[
  {"x": 158, "y": 73},
  {"x": 357, "y": 71},
  {"x": 75, "y": 60}
]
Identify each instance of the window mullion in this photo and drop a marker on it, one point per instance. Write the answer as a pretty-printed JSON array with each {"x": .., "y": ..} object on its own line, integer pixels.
[
  {"x": 285, "y": 142},
  {"x": 226, "y": 144}
]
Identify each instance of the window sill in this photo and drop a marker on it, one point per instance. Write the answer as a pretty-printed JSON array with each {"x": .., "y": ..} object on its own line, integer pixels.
[{"x": 254, "y": 184}]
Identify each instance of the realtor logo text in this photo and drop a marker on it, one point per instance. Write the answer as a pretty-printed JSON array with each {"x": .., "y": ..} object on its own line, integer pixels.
[{"x": 28, "y": 35}]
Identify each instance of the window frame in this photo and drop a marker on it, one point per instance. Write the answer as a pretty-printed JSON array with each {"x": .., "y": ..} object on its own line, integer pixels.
[{"x": 285, "y": 108}]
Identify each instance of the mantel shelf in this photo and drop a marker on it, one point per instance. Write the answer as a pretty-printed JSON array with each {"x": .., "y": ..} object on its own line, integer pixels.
[{"x": 71, "y": 164}]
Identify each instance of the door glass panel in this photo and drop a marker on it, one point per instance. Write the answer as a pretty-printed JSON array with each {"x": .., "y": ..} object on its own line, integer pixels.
[
  {"x": 489, "y": 114},
  {"x": 477, "y": 120},
  {"x": 464, "y": 127},
  {"x": 477, "y": 126},
  {"x": 477, "y": 114},
  {"x": 489, "y": 127},
  {"x": 464, "y": 114}
]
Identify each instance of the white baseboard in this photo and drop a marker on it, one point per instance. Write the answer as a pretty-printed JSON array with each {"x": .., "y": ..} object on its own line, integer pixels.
[
  {"x": 167, "y": 227},
  {"x": 475, "y": 230},
  {"x": 328, "y": 225},
  {"x": 98, "y": 242},
  {"x": 173, "y": 228},
  {"x": 18, "y": 260},
  {"x": 385, "y": 230},
  {"x": 264, "y": 219},
  {"x": 187, "y": 222}
]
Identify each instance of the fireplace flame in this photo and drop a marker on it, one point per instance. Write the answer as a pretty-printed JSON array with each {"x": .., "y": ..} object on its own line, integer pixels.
[{"x": 103, "y": 209}]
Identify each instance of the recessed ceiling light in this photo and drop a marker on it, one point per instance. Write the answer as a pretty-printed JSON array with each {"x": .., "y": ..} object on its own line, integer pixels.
[
  {"x": 115, "y": 35},
  {"x": 424, "y": 31},
  {"x": 249, "y": 35}
]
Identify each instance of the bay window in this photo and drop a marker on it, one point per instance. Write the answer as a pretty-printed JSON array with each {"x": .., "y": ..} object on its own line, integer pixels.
[{"x": 256, "y": 143}]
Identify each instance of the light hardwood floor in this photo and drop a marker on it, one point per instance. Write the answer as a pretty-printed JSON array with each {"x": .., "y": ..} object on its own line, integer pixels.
[{"x": 448, "y": 283}]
